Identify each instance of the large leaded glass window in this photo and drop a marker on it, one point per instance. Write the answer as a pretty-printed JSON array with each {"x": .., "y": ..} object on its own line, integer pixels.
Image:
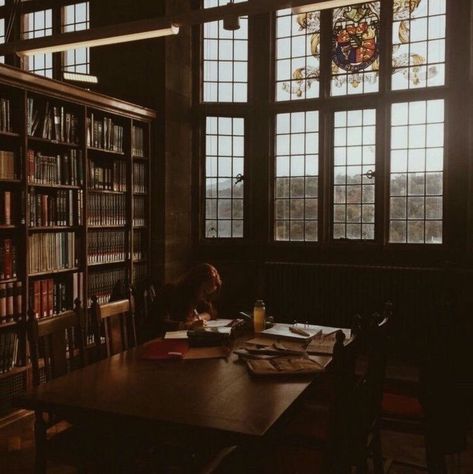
[
  {"x": 76, "y": 18},
  {"x": 354, "y": 174},
  {"x": 355, "y": 49},
  {"x": 418, "y": 43},
  {"x": 225, "y": 58},
  {"x": 224, "y": 168},
  {"x": 417, "y": 162},
  {"x": 36, "y": 25},
  {"x": 296, "y": 176},
  {"x": 297, "y": 55}
]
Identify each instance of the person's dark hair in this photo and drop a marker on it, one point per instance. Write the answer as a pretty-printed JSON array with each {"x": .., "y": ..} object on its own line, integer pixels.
[{"x": 192, "y": 281}]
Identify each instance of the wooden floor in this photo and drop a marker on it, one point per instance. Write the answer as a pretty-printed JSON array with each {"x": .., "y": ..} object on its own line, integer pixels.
[{"x": 17, "y": 451}]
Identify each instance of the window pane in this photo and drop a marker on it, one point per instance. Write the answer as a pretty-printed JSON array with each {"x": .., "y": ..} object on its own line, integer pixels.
[
  {"x": 75, "y": 18},
  {"x": 416, "y": 191},
  {"x": 36, "y": 25},
  {"x": 418, "y": 44},
  {"x": 296, "y": 176},
  {"x": 355, "y": 50},
  {"x": 224, "y": 162},
  {"x": 225, "y": 54},
  {"x": 2, "y": 35},
  {"x": 354, "y": 174},
  {"x": 297, "y": 55}
]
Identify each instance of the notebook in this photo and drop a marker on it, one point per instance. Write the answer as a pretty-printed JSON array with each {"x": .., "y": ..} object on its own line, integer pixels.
[{"x": 166, "y": 349}]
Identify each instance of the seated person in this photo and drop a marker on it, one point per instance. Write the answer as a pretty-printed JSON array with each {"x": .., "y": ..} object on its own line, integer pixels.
[{"x": 188, "y": 302}]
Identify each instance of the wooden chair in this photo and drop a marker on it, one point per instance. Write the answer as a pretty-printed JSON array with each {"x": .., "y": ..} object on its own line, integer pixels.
[
  {"x": 343, "y": 431},
  {"x": 56, "y": 347},
  {"x": 56, "y": 344},
  {"x": 113, "y": 323}
]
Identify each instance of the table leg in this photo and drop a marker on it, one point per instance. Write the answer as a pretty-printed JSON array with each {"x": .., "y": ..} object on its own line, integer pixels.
[{"x": 40, "y": 441}]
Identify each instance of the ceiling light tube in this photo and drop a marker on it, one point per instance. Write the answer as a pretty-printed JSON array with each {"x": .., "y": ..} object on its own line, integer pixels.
[
  {"x": 103, "y": 41},
  {"x": 80, "y": 77},
  {"x": 325, "y": 5}
]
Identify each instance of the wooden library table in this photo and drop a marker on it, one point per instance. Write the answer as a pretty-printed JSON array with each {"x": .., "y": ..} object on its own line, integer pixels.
[{"x": 216, "y": 398}]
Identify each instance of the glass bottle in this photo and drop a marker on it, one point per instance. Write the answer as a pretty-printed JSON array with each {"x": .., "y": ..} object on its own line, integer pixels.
[{"x": 259, "y": 315}]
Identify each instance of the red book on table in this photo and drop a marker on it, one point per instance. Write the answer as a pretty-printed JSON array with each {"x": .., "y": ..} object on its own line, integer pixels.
[{"x": 165, "y": 349}]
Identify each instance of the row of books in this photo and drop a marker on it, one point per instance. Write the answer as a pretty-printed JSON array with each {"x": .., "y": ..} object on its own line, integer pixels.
[
  {"x": 6, "y": 208},
  {"x": 139, "y": 211},
  {"x": 51, "y": 251},
  {"x": 61, "y": 208},
  {"x": 8, "y": 350},
  {"x": 140, "y": 273},
  {"x": 137, "y": 142},
  {"x": 101, "y": 284},
  {"x": 7, "y": 259},
  {"x": 140, "y": 178},
  {"x": 52, "y": 122},
  {"x": 11, "y": 301},
  {"x": 65, "y": 169},
  {"x": 104, "y": 133},
  {"x": 5, "y": 116},
  {"x": 50, "y": 297},
  {"x": 111, "y": 176},
  {"x": 106, "y": 247},
  {"x": 138, "y": 240},
  {"x": 106, "y": 209},
  {"x": 7, "y": 165}
]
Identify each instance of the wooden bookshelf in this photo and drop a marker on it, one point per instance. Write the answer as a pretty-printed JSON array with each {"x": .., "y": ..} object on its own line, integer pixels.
[{"x": 77, "y": 142}]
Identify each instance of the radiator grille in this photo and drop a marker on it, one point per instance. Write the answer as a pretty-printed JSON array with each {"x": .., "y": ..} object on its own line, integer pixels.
[{"x": 332, "y": 294}]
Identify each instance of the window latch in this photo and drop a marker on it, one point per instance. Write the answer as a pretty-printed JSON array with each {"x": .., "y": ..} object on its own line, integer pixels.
[
  {"x": 239, "y": 178},
  {"x": 370, "y": 174}
]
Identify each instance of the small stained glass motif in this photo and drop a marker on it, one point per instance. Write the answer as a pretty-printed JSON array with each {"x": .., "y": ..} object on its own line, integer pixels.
[
  {"x": 418, "y": 43},
  {"x": 355, "y": 49},
  {"x": 297, "y": 55}
]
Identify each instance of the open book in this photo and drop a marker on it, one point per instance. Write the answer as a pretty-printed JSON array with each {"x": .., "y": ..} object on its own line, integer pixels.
[{"x": 323, "y": 343}]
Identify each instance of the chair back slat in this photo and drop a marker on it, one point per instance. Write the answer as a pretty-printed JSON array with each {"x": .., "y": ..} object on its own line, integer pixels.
[
  {"x": 55, "y": 343},
  {"x": 118, "y": 322}
]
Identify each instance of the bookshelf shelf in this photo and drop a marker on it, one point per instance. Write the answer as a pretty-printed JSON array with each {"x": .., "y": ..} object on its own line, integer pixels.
[
  {"x": 83, "y": 140},
  {"x": 140, "y": 260},
  {"x": 106, "y": 191},
  {"x": 8, "y": 324},
  {"x": 108, "y": 226},
  {"x": 9, "y": 280},
  {"x": 52, "y": 142},
  {"x": 54, "y": 228},
  {"x": 54, "y": 272},
  {"x": 15, "y": 371},
  {"x": 104, "y": 150},
  {"x": 102, "y": 264},
  {"x": 9, "y": 134},
  {"x": 139, "y": 194},
  {"x": 53, "y": 186}
]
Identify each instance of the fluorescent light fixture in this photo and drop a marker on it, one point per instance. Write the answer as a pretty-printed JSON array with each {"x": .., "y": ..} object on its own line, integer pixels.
[
  {"x": 109, "y": 40},
  {"x": 79, "y": 77},
  {"x": 325, "y": 5}
]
